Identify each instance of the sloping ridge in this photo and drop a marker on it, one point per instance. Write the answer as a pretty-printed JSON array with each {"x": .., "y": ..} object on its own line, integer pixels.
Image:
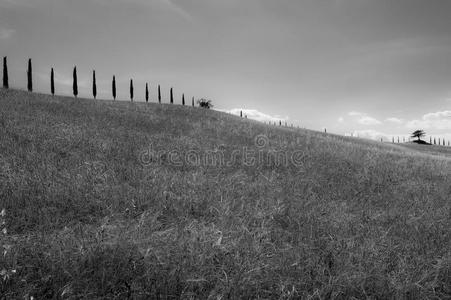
[{"x": 210, "y": 196}]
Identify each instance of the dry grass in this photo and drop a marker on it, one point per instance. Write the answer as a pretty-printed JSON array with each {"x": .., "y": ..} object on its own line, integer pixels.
[{"x": 86, "y": 219}]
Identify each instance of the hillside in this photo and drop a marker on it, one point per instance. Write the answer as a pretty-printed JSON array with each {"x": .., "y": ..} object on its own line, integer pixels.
[{"x": 106, "y": 200}]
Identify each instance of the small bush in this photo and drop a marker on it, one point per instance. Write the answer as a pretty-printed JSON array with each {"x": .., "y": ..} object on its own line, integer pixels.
[{"x": 205, "y": 103}]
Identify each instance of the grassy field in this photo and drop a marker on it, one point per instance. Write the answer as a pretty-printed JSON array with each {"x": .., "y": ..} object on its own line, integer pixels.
[{"x": 107, "y": 200}]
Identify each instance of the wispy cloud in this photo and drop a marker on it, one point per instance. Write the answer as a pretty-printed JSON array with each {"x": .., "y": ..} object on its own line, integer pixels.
[
  {"x": 256, "y": 115},
  {"x": 364, "y": 119},
  {"x": 177, "y": 9},
  {"x": 438, "y": 120},
  {"x": 373, "y": 134},
  {"x": 395, "y": 120},
  {"x": 6, "y": 33}
]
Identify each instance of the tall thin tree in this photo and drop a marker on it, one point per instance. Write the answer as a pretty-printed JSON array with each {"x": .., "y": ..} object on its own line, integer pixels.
[
  {"x": 75, "y": 83},
  {"x": 147, "y": 92},
  {"x": 192, "y": 102},
  {"x": 183, "y": 99},
  {"x": 29, "y": 77},
  {"x": 52, "y": 82},
  {"x": 159, "y": 94},
  {"x": 131, "y": 90},
  {"x": 172, "y": 97},
  {"x": 114, "y": 87},
  {"x": 5, "y": 73},
  {"x": 94, "y": 84}
]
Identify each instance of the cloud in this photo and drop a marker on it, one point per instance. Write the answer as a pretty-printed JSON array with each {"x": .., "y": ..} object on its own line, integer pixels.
[
  {"x": 364, "y": 119},
  {"x": 394, "y": 120},
  {"x": 438, "y": 120},
  {"x": 256, "y": 115},
  {"x": 169, "y": 5},
  {"x": 378, "y": 135},
  {"x": 178, "y": 9},
  {"x": 341, "y": 120},
  {"x": 6, "y": 33}
]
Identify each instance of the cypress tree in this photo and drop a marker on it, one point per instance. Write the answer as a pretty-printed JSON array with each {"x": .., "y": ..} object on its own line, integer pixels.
[
  {"x": 430, "y": 140},
  {"x": 94, "y": 84},
  {"x": 114, "y": 87},
  {"x": 52, "y": 82},
  {"x": 192, "y": 102},
  {"x": 172, "y": 97},
  {"x": 147, "y": 92},
  {"x": 183, "y": 99},
  {"x": 159, "y": 94},
  {"x": 434, "y": 141},
  {"x": 29, "y": 77},
  {"x": 131, "y": 90},
  {"x": 241, "y": 113},
  {"x": 75, "y": 84},
  {"x": 5, "y": 73}
]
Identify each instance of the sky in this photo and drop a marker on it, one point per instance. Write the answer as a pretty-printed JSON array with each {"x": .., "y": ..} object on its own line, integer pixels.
[{"x": 371, "y": 68}]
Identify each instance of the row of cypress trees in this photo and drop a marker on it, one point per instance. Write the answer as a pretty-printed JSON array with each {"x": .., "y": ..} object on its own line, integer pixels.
[
  {"x": 432, "y": 141},
  {"x": 75, "y": 84}
]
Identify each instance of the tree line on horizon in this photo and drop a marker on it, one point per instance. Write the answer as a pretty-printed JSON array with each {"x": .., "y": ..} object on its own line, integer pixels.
[
  {"x": 205, "y": 103},
  {"x": 202, "y": 102}
]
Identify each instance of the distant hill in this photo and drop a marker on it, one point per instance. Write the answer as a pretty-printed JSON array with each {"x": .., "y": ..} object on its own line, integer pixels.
[{"x": 123, "y": 200}]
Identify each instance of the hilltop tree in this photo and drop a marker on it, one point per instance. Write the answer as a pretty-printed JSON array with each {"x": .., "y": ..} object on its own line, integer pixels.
[
  {"x": 131, "y": 90},
  {"x": 147, "y": 92},
  {"x": 241, "y": 113},
  {"x": 418, "y": 134},
  {"x": 183, "y": 99},
  {"x": 75, "y": 84},
  {"x": 52, "y": 82},
  {"x": 192, "y": 102},
  {"x": 29, "y": 77},
  {"x": 94, "y": 84},
  {"x": 159, "y": 94},
  {"x": 205, "y": 103},
  {"x": 172, "y": 97},
  {"x": 114, "y": 87},
  {"x": 5, "y": 73}
]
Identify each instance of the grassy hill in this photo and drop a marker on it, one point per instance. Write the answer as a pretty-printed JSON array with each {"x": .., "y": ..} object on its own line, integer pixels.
[{"x": 106, "y": 200}]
